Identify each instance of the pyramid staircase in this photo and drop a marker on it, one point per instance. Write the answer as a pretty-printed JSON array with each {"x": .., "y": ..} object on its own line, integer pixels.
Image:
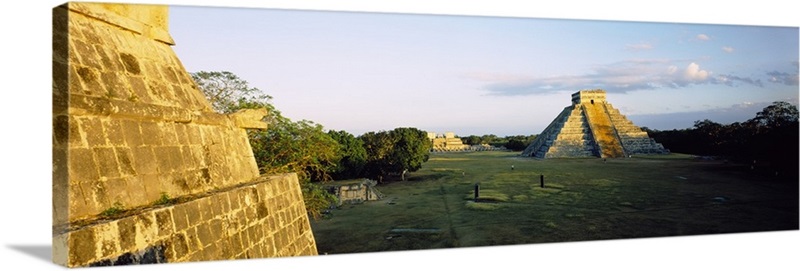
[{"x": 591, "y": 127}]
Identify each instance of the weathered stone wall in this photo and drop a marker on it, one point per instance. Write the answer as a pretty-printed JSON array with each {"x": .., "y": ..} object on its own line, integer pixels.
[
  {"x": 261, "y": 219},
  {"x": 131, "y": 127}
]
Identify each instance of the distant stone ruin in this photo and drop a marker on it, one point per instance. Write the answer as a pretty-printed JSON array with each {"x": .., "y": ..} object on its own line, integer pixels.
[
  {"x": 144, "y": 171},
  {"x": 591, "y": 127},
  {"x": 446, "y": 142}
]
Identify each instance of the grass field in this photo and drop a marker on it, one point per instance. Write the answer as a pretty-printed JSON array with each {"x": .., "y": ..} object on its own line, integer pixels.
[{"x": 583, "y": 199}]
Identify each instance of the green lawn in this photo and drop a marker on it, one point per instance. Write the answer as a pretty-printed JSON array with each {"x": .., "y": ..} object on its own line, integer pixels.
[{"x": 583, "y": 199}]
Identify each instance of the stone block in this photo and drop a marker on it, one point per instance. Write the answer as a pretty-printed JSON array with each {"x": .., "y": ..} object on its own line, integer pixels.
[
  {"x": 144, "y": 160},
  {"x": 82, "y": 246},
  {"x": 164, "y": 222},
  {"x": 95, "y": 195},
  {"x": 107, "y": 164},
  {"x": 170, "y": 136},
  {"x": 127, "y": 233},
  {"x": 193, "y": 216},
  {"x": 180, "y": 132},
  {"x": 131, "y": 133},
  {"x": 146, "y": 229},
  {"x": 116, "y": 87},
  {"x": 179, "y": 247},
  {"x": 179, "y": 217},
  {"x": 167, "y": 159},
  {"x": 125, "y": 159},
  {"x": 139, "y": 89},
  {"x": 77, "y": 204},
  {"x": 250, "y": 118},
  {"x": 193, "y": 134},
  {"x": 107, "y": 239},
  {"x": 108, "y": 62},
  {"x": 151, "y": 134},
  {"x": 236, "y": 242},
  {"x": 226, "y": 249},
  {"x": 152, "y": 186},
  {"x": 159, "y": 91},
  {"x": 117, "y": 192},
  {"x": 204, "y": 234},
  {"x": 82, "y": 166},
  {"x": 90, "y": 79},
  {"x": 211, "y": 252},
  {"x": 93, "y": 131}
]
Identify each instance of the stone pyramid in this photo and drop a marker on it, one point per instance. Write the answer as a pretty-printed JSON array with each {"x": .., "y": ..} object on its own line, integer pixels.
[{"x": 591, "y": 127}]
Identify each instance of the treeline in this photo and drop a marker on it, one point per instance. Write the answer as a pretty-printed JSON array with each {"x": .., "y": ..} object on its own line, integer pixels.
[
  {"x": 769, "y": 140},
  {"x": 306, "y": 148},
  {"x": 514, "y": 143}
]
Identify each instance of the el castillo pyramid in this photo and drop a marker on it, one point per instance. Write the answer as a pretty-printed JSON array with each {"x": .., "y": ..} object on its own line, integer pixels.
[{"x": 591, "y": 127}]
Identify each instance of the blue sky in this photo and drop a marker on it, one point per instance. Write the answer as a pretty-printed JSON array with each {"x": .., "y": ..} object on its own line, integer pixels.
[{"x": 361, "y": 71}]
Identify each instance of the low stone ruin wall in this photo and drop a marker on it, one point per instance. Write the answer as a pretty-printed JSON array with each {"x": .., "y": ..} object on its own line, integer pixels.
[{"x": 356, "y": 192}]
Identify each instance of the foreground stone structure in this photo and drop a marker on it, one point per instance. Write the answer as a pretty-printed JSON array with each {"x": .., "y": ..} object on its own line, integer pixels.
[
  {"x": 592, "y": 127},
  {"x": 144, "y": 171}
]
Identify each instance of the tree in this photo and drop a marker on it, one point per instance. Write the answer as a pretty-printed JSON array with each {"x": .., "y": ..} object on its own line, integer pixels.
[
  {"x": 411, "y": 149},
  {"x": 352, "y": 153},
  {"x": 395, "y": 152},
  {"x": 285, "y": 146},
  {"x": 228, "y": 93},
  {"x": 777, "y": 115},
  {"x": 378, "y": 146},
  {"x": 771, "y": 138},
  {"x": 471, "y": 140},
  {"x": 516, "y": 144},
  {"x": 303, "y": 148}
]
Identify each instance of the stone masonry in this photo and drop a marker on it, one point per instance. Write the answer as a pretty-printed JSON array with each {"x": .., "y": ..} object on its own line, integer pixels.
[
  {"x": 355, "y": 192},
  {"x": 131, "y": 128},
  {"x": 591, "y": 127},
  {"x": 446, "y": 142}
]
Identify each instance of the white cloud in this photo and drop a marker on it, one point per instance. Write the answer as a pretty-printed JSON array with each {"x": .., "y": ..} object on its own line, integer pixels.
[
  {"x": 693, "y": 73},
  {"x": 672, "y": 69},
  {"x": 727, "y": 49},
  {"x": 703, "y": 37},
  {"x": 630, "y": 75}
]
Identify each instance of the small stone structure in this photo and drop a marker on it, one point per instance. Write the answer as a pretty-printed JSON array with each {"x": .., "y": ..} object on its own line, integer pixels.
[
  {"x": 144, "y": 171},
  {"x": 446, "y": 142},
  {"x": 592, "y": 127},
  {"x": 349, "y": 192}
]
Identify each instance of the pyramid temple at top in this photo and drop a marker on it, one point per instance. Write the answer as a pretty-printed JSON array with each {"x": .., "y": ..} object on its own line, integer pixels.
[{"x": 591, "y": 127}]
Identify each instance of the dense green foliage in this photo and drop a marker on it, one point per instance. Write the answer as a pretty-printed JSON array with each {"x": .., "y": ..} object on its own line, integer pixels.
[
  {"x": 353, "y": 155},
  {"x": 769, "y": 140},
  {"x": 395, "y": 152},
  {"x": 228, "y": 93}
]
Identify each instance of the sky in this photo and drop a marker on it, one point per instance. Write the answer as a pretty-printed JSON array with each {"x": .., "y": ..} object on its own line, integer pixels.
[{"x": 363, "y": 71}]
